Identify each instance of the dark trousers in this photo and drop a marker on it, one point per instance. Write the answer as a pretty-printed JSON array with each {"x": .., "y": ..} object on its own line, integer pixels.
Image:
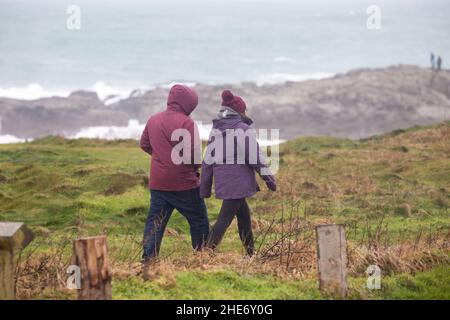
[
  {"x": 229, "y": 209},
  {"x": 162, "y": 204}
]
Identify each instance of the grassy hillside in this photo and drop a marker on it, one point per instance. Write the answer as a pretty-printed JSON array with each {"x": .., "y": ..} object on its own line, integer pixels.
[{"x": 392, "y": 192}]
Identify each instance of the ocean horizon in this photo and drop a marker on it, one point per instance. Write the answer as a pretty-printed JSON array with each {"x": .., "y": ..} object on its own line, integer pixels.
[{"x": 123, "y": 46}]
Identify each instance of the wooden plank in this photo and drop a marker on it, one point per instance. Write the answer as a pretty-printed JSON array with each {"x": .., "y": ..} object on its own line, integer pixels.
[
  {"x": 332, "y": 259},
  {"x": 91, "y": 255},
  {"x": 13, "y": 236},
  {"x": 7, "y": 268}
]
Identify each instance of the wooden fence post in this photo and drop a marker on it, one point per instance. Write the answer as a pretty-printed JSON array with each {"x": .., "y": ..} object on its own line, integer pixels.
[
  {"x": 13, "y": 236},
  {"x": 332, "y": 259},
  {"x": 91, "y": 256}
]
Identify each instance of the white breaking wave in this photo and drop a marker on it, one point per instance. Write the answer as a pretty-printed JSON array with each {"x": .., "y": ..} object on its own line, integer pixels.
[
  {"x": 171, "y": 84},
  {"x": 109, "y": 94},
  {"x": 7, "y": 139},
  {"x": 134, "y": 130},
  {"x": 31, "y": 92}
]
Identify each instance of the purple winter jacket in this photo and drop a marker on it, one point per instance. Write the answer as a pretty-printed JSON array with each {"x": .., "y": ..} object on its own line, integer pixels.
[{"x": 233, "y": 181}]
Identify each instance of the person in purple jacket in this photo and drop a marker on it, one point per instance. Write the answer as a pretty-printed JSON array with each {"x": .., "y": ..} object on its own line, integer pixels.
[{"x": 232, "y": 166}]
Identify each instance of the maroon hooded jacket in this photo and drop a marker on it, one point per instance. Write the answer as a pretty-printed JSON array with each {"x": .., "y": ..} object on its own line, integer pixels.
[{"x": 156, "y": 141}]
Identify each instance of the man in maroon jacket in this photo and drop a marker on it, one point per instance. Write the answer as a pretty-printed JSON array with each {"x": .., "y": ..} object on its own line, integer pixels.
[{"x": 173, "y": 185}]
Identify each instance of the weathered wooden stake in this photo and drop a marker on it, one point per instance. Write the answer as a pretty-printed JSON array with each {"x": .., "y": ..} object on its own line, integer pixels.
[
  {"x": 91, "y": 256},
  {"x": 13, "y": 236},
  {"x": 332, "y": 259},
  {"x": 7, "y": 267}
]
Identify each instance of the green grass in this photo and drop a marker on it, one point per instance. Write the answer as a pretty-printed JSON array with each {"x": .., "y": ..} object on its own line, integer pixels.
[
  {"x": 434, "y": 284},
  {"x": 218, "y": 285},
  {"x": 398, "y": 183}
]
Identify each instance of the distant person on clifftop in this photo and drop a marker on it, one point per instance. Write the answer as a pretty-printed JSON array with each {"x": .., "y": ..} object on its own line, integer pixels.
[
  {"x": 231, "y": 161},
  {"x": 173, "y": 186},
  {"x": 432, "y": 60},
  {"x": 439, "y": 63}
]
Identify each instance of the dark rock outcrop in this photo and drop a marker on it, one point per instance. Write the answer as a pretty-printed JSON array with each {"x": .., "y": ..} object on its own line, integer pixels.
[{"x": 356, "y": 104}]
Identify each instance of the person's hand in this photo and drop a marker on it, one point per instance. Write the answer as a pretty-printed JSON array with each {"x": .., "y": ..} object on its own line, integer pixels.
[{"x": 205, "y": 195}]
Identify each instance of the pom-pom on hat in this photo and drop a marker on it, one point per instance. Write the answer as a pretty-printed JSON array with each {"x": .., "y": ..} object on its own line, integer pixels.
[{"x": 234, "y": 102}]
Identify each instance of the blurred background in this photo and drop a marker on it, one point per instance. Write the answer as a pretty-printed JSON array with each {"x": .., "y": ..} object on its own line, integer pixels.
[{"x": 125, "y": 47}]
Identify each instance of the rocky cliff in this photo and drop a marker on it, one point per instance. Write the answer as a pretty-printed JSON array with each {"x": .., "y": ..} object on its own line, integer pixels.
[{"x": 356, "y": 104}]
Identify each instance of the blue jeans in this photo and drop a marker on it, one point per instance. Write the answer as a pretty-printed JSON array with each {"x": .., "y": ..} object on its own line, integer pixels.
[{"x": 162, "y": 204}]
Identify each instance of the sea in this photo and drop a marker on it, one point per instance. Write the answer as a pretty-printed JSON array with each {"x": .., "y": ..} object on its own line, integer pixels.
[{"x": 112, "y": 47}]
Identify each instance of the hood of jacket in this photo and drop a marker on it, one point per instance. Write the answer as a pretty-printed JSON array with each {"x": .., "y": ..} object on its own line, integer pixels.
[
  {"x": 227, "y": 118},
  {"x": 182, "y": 99}
]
